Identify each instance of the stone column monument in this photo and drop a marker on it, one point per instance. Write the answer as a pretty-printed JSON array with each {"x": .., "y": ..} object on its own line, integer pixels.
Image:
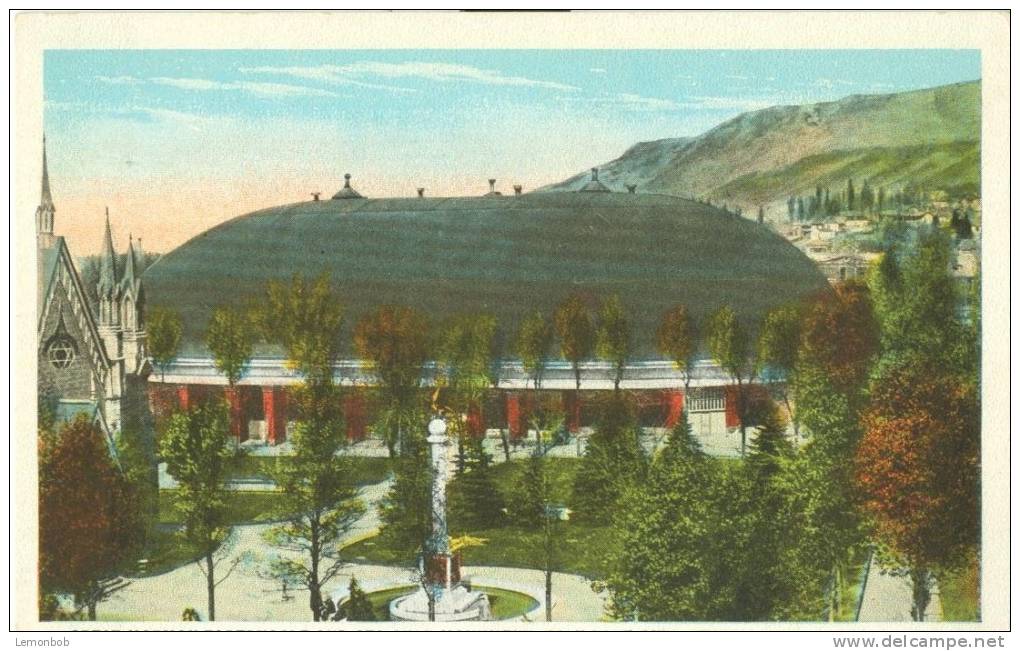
[{"x": 439, "y": 566}]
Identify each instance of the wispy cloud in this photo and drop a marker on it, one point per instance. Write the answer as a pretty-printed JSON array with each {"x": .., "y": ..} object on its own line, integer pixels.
[
  {"x": 726, "y": 103},
  {"x": 355, "y": 73},
  {"x": 823, "y": 82},
  {"x": 261, "y": 89},
  {"x": 598, "y": 71},
  {"x": 627, "y": 101},
  {"x": 136, "y": 112},
  {"x": 739, "y": 77},
  {"x": 118, "y": 80}
]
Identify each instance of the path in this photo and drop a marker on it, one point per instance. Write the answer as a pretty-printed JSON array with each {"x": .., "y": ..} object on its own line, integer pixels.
[
  {"x": 887, "y": 598},
  {"x": 248, "y": 596}
]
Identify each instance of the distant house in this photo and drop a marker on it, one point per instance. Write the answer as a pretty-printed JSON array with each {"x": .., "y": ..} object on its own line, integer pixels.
[{"x": 841, "y": 268}]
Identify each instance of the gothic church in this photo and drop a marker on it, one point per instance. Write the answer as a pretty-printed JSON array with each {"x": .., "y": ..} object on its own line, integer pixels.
[{"x": 91, "y": 357}]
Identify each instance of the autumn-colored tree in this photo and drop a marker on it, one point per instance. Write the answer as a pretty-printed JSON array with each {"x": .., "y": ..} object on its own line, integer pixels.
[
  {"x": 197, "y": 450},
  {"x": 163, "y": 337},
  {"x": 614, "y": 337},
  {"x": 89, "y": 517},
  {"x": 676, "y": 338},
  {"x": 395, "y": 342},
  {"x": 729, "y": 346},
  {"x": 230, "y": 338},
  {"x": 305, "y": 317},
  {"x": 918, "y": 469},
  {"x": 841, "y": 336},
  {"x": 576, "y": 333}
]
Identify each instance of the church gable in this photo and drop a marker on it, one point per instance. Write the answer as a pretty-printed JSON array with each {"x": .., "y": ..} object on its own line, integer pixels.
[{"x": 72, "y": 360}]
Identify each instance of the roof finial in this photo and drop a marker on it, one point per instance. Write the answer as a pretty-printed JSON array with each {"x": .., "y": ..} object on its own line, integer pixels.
[
  {"x": 594, "y": 174},
  {"x": 347, "y": 180},
  {"x": 421, "y": 192},
  {"x": 347, "y": 192}
]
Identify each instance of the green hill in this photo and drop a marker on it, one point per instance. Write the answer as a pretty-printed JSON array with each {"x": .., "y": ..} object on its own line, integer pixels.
[{"x": 925, "y": 137}]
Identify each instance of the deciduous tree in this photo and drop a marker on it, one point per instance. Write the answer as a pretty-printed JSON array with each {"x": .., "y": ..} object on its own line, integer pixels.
[
  {"x": 676, "y": 338},
  {"x": 614, "y": 337},
  {"x": 320, "y": 497},
  {"x": 89, "y": 519},
  {"x": 918, "y": 469},
  {"x": 395, "y": 341},
  {"x": 197, "y": 450},
  {"x": 163, "y": 337},
  {"x": 576, "y": 333},
  {"x": 728, "y": 344}
]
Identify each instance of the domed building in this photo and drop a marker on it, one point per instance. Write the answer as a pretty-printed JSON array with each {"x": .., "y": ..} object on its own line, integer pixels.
[{"x": 501, "y": 254}]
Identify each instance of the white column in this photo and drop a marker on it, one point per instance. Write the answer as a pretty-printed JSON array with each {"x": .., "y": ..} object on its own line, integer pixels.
[{"x": 439, "y": 542}]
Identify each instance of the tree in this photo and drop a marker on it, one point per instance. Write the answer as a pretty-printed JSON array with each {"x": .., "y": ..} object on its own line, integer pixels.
[
  {"x": 464, "y": 351},
  {"x": 614, "y": 337},
  {"x": 89, "y": 516},
  {"x": 576, "y": 333},
  {"x": 669, "y": 553},
  {"x": 612, "y": 460},
  {"x": 230, "y": 338},
  {"x": 198, "y": 454},
  {"x": 533, "y": 342},
  {"x": 474, "y": 501},
  {"x": 778, "y": 346},
  {"x": 881, "y": 199},
  {"x": 406, "y": 510},
  {"x": 305, "y": 317},
  {"x": 841, "y": 336},
  {"x": 850, "y": 198},
  {"x": 791, "y": 206},
  {"x": 357, "y": 607},
  {"x": 320, "y": 497},
  {"x": 676, "y": 340},
  {"x": 918, "y": 468},
  {"x": 163, "y": 337},
  {"x": 728, "y": 345},
  {"x": 534, "y": 510},
  {"x": 395, "y": 341},
  {"x": 800, "y": 209}
]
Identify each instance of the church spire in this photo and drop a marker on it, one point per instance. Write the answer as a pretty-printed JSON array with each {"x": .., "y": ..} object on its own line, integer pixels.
[
  {"x": 108, "y": 263},
  {"x": 44, "y": 213},
  {"x": 130, "y": 264}
]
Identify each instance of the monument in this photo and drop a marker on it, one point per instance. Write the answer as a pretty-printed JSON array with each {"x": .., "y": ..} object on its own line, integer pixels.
[{"x": 441, "y": 596}]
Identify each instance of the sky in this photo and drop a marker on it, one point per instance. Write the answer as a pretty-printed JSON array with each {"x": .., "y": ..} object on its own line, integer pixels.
[{"x": 176, "y": 141}]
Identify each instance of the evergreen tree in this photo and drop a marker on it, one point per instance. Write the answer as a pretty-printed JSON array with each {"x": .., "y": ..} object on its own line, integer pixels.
[
  {"x": 670, "y": 555},
  {"x": 406, "y": 511},
  {"x": 357, "y": 607},
  {"x": 881, "y": 199},
  {"x": 612, "y": 461},
  {"x": 791, "y": 207},
  {"x": 851, "y": 200},
  {"x": 800, "y": 209},
  {"x": 475, "y": 501}
]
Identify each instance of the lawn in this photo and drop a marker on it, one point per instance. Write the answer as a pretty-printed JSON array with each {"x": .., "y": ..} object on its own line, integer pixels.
[
  {"x": 164, "y": 551},
  {"x": 364, "y": 470},
  {"x": 513, "y": 546},
  {"x": 960, "y": 592},
  {"x": 243, "y": 507},
  {"x": 504, "y": 604}
]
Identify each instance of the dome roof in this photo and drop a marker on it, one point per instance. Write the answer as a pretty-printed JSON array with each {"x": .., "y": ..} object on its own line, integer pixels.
[{"x": 503, "y": 255}]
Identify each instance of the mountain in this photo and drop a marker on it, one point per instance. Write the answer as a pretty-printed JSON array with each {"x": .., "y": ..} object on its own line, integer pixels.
[{"x": 928, "y": 137}]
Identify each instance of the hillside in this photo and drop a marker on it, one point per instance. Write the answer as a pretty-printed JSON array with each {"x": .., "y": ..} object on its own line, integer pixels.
[{"x": 762, "y": 157}]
